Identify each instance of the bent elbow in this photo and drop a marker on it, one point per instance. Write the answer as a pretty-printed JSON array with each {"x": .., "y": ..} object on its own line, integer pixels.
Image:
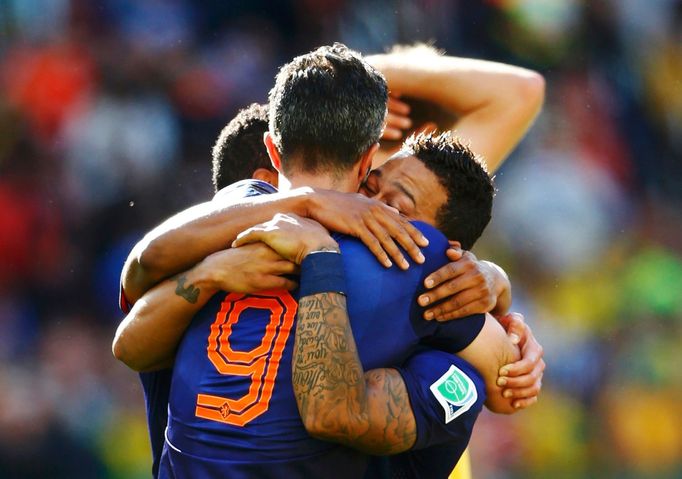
[
  {"x": 122, "y": 353},
  {"x": 151, "y": 259},
  {"x": 315, "y": 428},
  {"x": 119, "y": 351},
  {"x": 531, "y": 90}
]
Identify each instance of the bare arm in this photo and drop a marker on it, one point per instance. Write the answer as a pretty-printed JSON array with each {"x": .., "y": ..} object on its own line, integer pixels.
[
  {"x": 491, "y": 350},
  {"x": 149, "y": 335},
  {"x": 188, "y": 237},
  {"x": 371, "y": 411},
  {"x": 495, "y": 103}
]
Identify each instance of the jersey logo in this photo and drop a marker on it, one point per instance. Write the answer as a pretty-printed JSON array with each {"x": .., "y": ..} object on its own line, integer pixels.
[{"x": 455, "y": 391}]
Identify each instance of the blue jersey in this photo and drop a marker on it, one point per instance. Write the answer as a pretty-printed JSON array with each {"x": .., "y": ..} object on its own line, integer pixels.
[
  {"x": 232, "y": 412},
  {"x": 156, "y": 384},
  {"x": 447, "y": 395}
]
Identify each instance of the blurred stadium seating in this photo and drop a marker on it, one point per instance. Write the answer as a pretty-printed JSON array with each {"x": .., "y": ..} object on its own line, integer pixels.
[{"x": 109, "y": 109}]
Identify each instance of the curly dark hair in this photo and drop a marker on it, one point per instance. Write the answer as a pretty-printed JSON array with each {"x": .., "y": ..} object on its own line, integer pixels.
[
  {"x": 239, "y": 150},
  {"x": 470, "y": 190}
]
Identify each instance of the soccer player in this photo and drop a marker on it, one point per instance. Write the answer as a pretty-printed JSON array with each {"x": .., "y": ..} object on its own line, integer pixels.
[
  {"x": 373, "y": 414},
  {"x": 234, "y": 155},
  {"x": 228, "y": 412}
]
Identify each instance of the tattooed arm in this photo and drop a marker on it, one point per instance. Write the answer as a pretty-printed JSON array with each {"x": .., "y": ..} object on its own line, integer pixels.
[
  {"x": 337, "y": 400},
  {"x": 370, "y": 412},
  {"x": 147, "y": 338}
]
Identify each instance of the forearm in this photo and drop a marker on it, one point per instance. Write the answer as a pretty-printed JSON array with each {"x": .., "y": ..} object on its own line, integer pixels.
[
  {"x": 188, "y": 237},
  {"x": 502, "y": 290},
  {"x": 327, "y": 375},
  {"x": 491, "y": 350},
  {"x": 496, "y": 103},
  {"x": 149, "y": 335}
]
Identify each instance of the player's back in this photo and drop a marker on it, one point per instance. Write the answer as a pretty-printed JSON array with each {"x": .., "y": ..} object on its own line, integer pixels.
[{"x": 232, "y": 409}]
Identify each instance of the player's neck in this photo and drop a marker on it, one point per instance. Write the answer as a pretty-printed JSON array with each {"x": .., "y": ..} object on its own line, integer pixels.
[{"x": 327, "y": 182}]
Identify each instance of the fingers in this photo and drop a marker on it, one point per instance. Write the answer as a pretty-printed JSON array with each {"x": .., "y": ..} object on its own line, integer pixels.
[
  {"x": 275, "y": 282},
  {"x": 523, "y": 366},
  {"x": 458, "y": 293},
  {"x": 416, "y": 235},
  {"x": 455, "y": 244},
  {"x": 520, "y": 393},
  {"x": 531, "y": 359},
  {"x": 397, "y": 106},
  {"x": 406, "y": 235},
  {"x": 251, "y": 235},
  {"x": 283, "y": 267},
  {"x": 516, "y": 328},
  {"x": 525, "y": 381},
  {"x": 398, "y": 121},
  {"x": 447, "y": 272},
  {"x": 373, "y": 244},
  {"x": 475, "y": 307},
  {"x": 385, "y": 241},
  {"x": 454, "y": 254},
  {"x": 455, "y": 278},
  {"x": 391, "y": 133},
  {"x": 524, "y": 403},
  {"x": 387, "y": 227}
]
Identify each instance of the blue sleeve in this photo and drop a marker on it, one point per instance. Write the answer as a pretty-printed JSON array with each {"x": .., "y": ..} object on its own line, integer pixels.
[
  {"x": 450, "y": 336},
  {"x": 244, "y": 189},
  {"x": 382, "y": 300},
  {"x": 156, "y": 388},
  {"x": 446, "y": 394}
]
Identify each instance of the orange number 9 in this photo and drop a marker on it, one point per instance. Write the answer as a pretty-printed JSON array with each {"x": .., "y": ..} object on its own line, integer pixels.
[{"x": 261, "y": 363}]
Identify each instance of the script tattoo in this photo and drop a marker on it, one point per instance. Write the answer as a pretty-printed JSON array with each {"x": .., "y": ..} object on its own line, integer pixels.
[
  {"x": 368, "y": 411},
  {"x": 189, "y": 293}
]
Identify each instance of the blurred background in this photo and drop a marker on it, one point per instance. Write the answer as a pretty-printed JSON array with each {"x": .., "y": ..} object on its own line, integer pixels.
[{"x": 109, "y": 109}]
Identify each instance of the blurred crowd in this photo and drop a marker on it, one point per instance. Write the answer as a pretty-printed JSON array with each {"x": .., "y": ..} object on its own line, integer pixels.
[{"x": 109, "y": 109}]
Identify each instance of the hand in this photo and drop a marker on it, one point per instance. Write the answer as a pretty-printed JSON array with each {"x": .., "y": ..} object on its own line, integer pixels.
[
  {"x": 248, "y": 269},
  {"x": 470, "y": 286},
  {"x": 397, "y": 119},
  {"x": 291, "y": 236},
  {"x": 377, "y": 225},
  {"x": 522, "y": 380}
]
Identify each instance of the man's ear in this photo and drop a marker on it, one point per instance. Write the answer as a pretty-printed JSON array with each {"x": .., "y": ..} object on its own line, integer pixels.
[
  {"x": 267, "y": 175},
  {"x": 366, "y": 162},
  {"x": 273, "y": 152}
]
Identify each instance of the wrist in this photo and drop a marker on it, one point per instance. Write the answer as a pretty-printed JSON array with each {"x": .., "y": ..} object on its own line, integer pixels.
[
  {"x": 303, "y": 201},
  {"x": 204, "y": 276},
  {"x": 322, "y": 272},
  {"x": 502, "y": 289},
  {"x": 327, "y": 246}
]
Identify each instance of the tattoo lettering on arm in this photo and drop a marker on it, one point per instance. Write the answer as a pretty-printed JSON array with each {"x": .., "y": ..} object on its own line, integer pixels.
[
  {"x": 189, "y": 293},
  {"x": 392, "y": 427},
  {"x": 337, "y": 401}
]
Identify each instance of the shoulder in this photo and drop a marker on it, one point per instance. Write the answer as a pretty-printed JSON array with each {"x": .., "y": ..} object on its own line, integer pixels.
[
  {"x": 438, "y": 245},
  {"x": 434, "y": 252},
  {"x": 245, "y": 189},
  {"x": 432, "y": 364},
  {"x": 447, "y": 394}
]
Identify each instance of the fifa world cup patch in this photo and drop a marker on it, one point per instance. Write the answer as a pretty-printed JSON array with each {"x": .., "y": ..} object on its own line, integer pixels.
[{"x": 455, "y": 391}]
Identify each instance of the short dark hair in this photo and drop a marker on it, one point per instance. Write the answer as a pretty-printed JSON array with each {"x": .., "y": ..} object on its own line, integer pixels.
[
  {"x": 470, "y": 190},
  {"x": 239, "y": 150},
  {"x": 327, "y": 108}
]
